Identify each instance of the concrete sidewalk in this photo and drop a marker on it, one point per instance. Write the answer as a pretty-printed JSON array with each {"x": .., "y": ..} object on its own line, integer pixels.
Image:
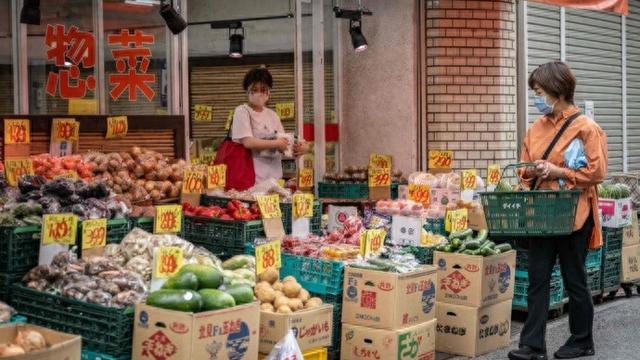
[{"x": 616, "y": 332}]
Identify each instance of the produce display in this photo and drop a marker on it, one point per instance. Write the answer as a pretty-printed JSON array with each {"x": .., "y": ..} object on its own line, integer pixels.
[
  {"x": 464, "y": 242},
  {"x": 360, "y": 174},
  {"x": 97, "y": 280},
  {"x": 283, "y": 297},
  {"x": 6, "y": 312},
  {"x": 341, "y": 244},
  {"x": 614, "y": 191},
  {"x": 268, "y": 187},
  {"x": 239, "y": 270},
  {"x": 450, "y": 181},
  {"x": 51, "y": 167},
  {"x": 235, "y": 210},
  {"x": 396, "y": 261},
  {"x": 26, "y": 341}
]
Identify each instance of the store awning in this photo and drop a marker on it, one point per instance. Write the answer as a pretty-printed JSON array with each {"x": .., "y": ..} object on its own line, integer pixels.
[{"x": 618, "y": 6}]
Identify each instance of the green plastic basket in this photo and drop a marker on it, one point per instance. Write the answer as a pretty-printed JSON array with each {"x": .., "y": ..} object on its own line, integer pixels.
[
  {"x": 19, "y": 248},
  {"x": 594, "y": 279},
  {"x": 92, "y": 355},
  {"x": 222, "y": 237},
  {"x": 594, "y": 259},
  {"x": 612, "y": 241},
  {"x": 6, "y": 283},
  {"x": 318, "y": 276},
  {"x": 350, "y": 191},
  {"x": 522, "y": 285},
  {"x": 530, "y": 213},
  {"x": 103, "y": 329},
  {"x": 144, "y": 223}
]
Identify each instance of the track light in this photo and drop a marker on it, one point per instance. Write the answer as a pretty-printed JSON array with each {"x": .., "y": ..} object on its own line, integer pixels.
[
  {"x": 174, "y": 21},
  {"x": 357, "y": 39},
  {"x": 236, "y": 41},
  {"x": 30, "y": 13}
]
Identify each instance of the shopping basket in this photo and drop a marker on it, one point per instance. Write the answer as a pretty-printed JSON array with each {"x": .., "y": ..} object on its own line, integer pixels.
[{"x": 530, "y": 213}]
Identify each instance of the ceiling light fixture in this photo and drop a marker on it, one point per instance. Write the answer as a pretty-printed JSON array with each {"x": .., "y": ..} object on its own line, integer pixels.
[
  {"x": 30, "y": 13},
  {"x": 174, "y": 20}
]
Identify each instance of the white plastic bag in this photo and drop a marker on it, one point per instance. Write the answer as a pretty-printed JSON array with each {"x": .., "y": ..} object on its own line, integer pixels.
[{"x": 286, "y": 349}]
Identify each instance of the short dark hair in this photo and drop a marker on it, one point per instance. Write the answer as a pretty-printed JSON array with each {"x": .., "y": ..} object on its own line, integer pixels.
[
  {"x": 255, "y": 75},
  {"x": 556, "y": 79}
]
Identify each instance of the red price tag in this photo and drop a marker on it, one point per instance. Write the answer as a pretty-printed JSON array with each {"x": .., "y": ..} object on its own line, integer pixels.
[
  {"x": 285, "y": 110},
  {"x": 193, "y": 182},
  {"x": 440, "y": 159},
  {"x": 168, "y": 261},
  {"x": 379, "y": 177},
  {"x": 493, "y": 175},
  {"x": 168, "y": 219},
  {"x": 16, "y": 131},
  {"x": 305, "y": 178},
  {"x": 420, "y": 193},
  {"x": 469, "y": 179},
  {"x": 59, "y": 229},
  {"x": 65, "y": 129},
  {"x": 117, "y": 127},
  {"x": 380, "y": 161}
]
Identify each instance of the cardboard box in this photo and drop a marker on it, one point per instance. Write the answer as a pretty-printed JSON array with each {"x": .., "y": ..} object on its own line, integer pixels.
[
  {"x": 174, "y": 335},
  {"x": 60, "y": 345},
  {"x": 475, "y": 280},
  {"x": 477, "y": 220},
  {"x": 313, "y": 328},
  {"x": 406, "y": 230},
  {"x": 630, "y": 264},
  {"x": 444, "y": 196},
  {"x": 471, "y": 331},
  {"x": 415, "y": 342},
  {"x": 387, "y": 300},
  {"x": 632, "y": 232},
  {"x": 615, "y": 213}
]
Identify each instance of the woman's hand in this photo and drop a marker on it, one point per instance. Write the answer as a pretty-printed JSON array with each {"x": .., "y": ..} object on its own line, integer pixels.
[
  {"x": 548, "y": 171},
  {"x": 300, "y": 148},
  {"x": 281, "y": 144}
]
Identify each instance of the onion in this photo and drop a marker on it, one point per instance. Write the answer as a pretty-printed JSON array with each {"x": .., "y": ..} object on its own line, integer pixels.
[
  {"x": 30, "y": 340},
  {"x": 149, "y": 186}
]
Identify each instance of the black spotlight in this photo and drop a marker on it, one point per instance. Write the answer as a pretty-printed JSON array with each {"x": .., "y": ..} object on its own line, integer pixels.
[
  {"x": 236, "y": 41},
  {"x": 357, "y": 39},
  {"x": 174, "y": 21},
  {"x": 30, "y": 13}
]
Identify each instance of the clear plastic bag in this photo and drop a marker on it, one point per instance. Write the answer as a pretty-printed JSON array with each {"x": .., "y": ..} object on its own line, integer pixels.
[
  {"x": 574, "y": 156},
  {"x": 286, "y": 349}
]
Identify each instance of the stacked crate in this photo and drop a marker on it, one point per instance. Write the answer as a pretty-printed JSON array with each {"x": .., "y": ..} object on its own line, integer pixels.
[
  {"x": 19, "y": 251},
  {"x": 556, "y": 296},
  {"x": 611, "y": 258}
]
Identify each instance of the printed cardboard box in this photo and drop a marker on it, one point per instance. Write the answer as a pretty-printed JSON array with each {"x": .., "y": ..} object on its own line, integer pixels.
[
  {"x": 475, "y": 280},
  {"x": 632, "y": 232},
  {"x": 415, "y": 342},
  {"x": 630, "y": 264},
  {"x": 387, "y": 300},
  {"x": 231, "y": 333},
  {"x": 61, "y": 346},
  {"x": 615, "y": 213},
  {"x": 313, "y": 328},
  {"x": 472, "y": 331}
]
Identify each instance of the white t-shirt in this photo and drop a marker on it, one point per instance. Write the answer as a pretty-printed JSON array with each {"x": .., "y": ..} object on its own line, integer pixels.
[{"x": 261, "y": 125}]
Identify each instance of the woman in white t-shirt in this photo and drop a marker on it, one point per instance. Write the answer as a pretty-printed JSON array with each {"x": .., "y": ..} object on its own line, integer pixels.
[{"x": 259, "y": 129}]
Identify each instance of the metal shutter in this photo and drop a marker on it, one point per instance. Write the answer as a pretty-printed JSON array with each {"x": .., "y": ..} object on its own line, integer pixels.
[
  {"x": 594, "y": 52},
  {"x": 633, "y": 86}
]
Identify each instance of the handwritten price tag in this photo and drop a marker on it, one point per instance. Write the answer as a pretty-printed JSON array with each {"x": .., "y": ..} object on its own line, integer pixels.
[
  {"x": 379, "y": 177},
  {"x": 203, "y": 112},
  {"x": 227, "y": 125},
  {"x": 459, "y": 220},
  {"x": 285, "y": 110},
  {"x": 371, "y": 242},
  {"x": 117, "y": 127},
  {"x": 16, "y": 131},
  {"x": 193, "y": 182},
  {"x": 493, "y": 174},
  {"x": 440, "y": 159},
  {"x": 305, "y": 178},
  {"x": 168, "y": 219},
  {"x": 469, "y": 179},
  {"x": 302, "y": 205},
  {"x": 94, "y": 233},
  {"x": 420, "y": 193},
  {"x": 268, "y": 255},
  {"x": 269, "y": 206},
  {"x": 16, "y": 168},
  {"x": 168, "y": 261},
  {"x": 59, "y": 229},
  {"x": 65, "y": 129},
  {"x": 380, "y": 161},
  {"x": 217, "y": 176}
]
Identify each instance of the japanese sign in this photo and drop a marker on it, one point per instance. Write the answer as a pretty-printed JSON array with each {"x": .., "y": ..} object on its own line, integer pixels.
[
  {"x": 269, "y": 206},
  {"x": 94, "y": 233},
  {"x": 268, "y": 255},
  {"x": 65, "y": 130},
  {"x": 440, "y": 159},
  {"x": 302, "y": 205},
  {"x": 379, "y": 177},
  {"x": 72, "y": 49},
  {"x": 493, "y": 174},
  {"x": 420, "y": 193},
  {"x": 202, "y": 112},
  {"x": 380, "y": 161},
  {"x": 168, "y": 219},
  {"x": 16, "y": 131},
  {"x": 371, "y": 242},
  {"x": 468, "y": 179},
  {"x": 459, "y": 220},
  {"x": 132, "y": 63},
  {"x": 117, "y": 127},
  {"x": 305, "y": 178},
  {"x": 167, "y": 261},
  {"x": 193, "y": 182},
  {"x": 285, "y": 110},
  {"x": 16, "y": 168},
  {"x": 59, "y": 229},
  {"x": 217, "y": 176}
]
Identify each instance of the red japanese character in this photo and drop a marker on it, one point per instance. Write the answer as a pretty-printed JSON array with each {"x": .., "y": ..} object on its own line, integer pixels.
[
  {"x": 131, "y": 80},
  {"x": 158, "y": 347}
]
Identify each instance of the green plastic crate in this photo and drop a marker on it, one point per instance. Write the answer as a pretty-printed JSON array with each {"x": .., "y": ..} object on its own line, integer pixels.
[
  {"x": 522, "y": 285},
  {"x": 103, "y": 329},
  {"x": 19, "y": 248},
  {"x": 6, "y": 282},
  {"x": 92, "y": 355},
  {"x": 424, "y": 254},
  {"x": 222, "y": 237},
  {"x": 318, "y": 276},
  {"x": 117, "y": 229},
  {"x": 435, "y": 226},
  {"x": 144, "y": 223},
  {"x": 18, "y": 319},
  {"x": 594, "y": 259},
  {"x": 594, "y": 279},
  {"x": 349, "y": 190},
  {"x": 208, "y": 200},
  {"x": 612, "y": 241}
]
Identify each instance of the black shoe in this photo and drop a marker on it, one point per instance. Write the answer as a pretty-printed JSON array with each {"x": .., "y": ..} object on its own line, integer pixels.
[
  {"x": 567, "y": 352},
  {"x": 527, "y": 353}
]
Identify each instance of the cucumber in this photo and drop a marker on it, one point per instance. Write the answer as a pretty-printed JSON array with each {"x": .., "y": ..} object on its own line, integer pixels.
[
  {"x": 448, "y": 248},
  {"x": 182, "y": 280},
  {"x": 179, "y": 300},
  {"x": 503, "y": 248},
  {"x": 460, "y": 234},
  {"x": 468, "y": 238},
  {"x": 473, "y": 245},
  {"x": 482, "y": 235},
  {"x": 208, "y": 277},
  {"x": 440, "y": 247},
  {"x": 213, "y": 299},
  {"x": 487, "y": 251},
  {"x": 468, "y": 252},
  {"x": 242, "y": 294},
  {"x": 456, "y": 243},
  {"x": 488, "y": 245}
]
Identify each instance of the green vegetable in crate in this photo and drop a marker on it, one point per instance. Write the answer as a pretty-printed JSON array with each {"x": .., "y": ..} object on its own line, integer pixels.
[
  {"x": 503, "y": 186},
  {"x": 473, "y": 245},
  {"x": 242, "y": 294},
  {"x": 34, "y": 220},
  {"x": 482, "y": 235},
  {"x": 208, "y": 277},
  {"x": 179, "y": 300},
  {"x": 460, "y": 234},
  {"x": 456, "y": 243},
  {"x": 238, "y": 262},
  {"x": 26, "y": 209},
  {"x": 182, "y": 280},
  {"x": 213, "y": 299},
  {"x": 502, "y": 248}
]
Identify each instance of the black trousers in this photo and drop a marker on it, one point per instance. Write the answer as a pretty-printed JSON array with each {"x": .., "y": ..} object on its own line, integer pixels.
[{"x": 572, "y": 250}]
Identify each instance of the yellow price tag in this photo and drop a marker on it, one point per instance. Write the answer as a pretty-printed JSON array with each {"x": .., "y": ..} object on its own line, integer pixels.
[
  {"x": 16, "y": 168},
  {"x": 269, "y": 206},
  {"x": 193, "y": 182},
  {"x": 307, "y": 161},
  {"x": 302, "y": 205},
  {"x": 202, "y": 112},
  {"x": 94, "y": 233},
  {"x": 117, "y": 127},
  {"x": 468, "y": 179},
  {"x": 168, "y": 219},
  {"x": 227, "y": 125},
  {"x": 305, "y": 178},
  {"x": 216, "y": 176},
  {"x": 83, "y": 107},
  {"x": 420, "y": 193},
  {"x": 371, "y": 242},
  {"x": 440, "y": 159},
  {"x": 493, "y": 174},
  {"x": 268, "y": 255},
  {"x": 168, "y": 261},
  {"x": 459, "y": 220},
  {"x": 69, "y": 174},
  {"x": 379, "y": 177},
  {"x": 285, "y": 110},
  {"x": 59, "y": 229},
  {"x": 65, "y": 129},
  {"x": 17, "y": 131},
  {"x": 380, "y": 161}
]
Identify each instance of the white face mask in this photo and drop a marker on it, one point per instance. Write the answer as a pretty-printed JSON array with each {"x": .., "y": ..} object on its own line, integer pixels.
[{"x": 258, "y": 98}]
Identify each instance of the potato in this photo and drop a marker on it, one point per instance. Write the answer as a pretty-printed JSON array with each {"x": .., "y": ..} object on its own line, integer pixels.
[
  {"x": 277, "y": 286},
  {"x": 267, "y": 307},
  {"x": 295, "y": 304},
  {"x": 270, "y": 275},
  {"x": 265, "y": 295},
  {"x": 279, "y": 293},
  {"x": 284, "y": 309},
  {"x": 289, "y": 278},
  {"x": 304, "y": 295},
  {"x": 314, "y": 302},
  {"x": 291, "y": 289},
  {"x": 282, "y": 300}
]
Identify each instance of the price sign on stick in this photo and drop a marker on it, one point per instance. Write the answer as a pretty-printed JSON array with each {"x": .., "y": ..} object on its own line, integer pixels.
[
  {"x": 302, "y": 205},
  {"x": 203, "y": 112},
  {"x": 440, "y": 159},
  {"x": 380, "y": 161},
  {"x": 16, "y": 168},
  {"x": 459, "y": 220},
  {"x": 65, "y": 129},
  {"x": 305, "y": 178},
  {"x": 269, "y": 206},
  {"x": 371, "y": 242},
  {"x": 193, "y": 182},
  {"x": 468, "y": 179},
  {"x": 379, "y": 177},
  {"x": 168, "y": 219},
  {"x": 420, "y": 193},
  {"x": 285, "y": 110},
  {"x": 216, "y": 176},
  {"x": 117, "y": 127},
  {"x": 59, "y": 229},
  {"x": 268, "y": 255},
  {"x": 167, "y": 261},
  {"x": 16, "y": 131},
  {"x": 493, "y": 174},
  {"x": 94, "y": 233}
]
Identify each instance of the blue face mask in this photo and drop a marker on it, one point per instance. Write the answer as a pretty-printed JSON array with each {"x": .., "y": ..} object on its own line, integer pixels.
[{"x": 541, "y": 103}]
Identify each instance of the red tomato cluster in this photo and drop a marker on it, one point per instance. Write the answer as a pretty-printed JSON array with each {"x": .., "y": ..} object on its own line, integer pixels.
[
  {"x": 51, "y": 167},
  {"x": 235, "y": 210}
]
